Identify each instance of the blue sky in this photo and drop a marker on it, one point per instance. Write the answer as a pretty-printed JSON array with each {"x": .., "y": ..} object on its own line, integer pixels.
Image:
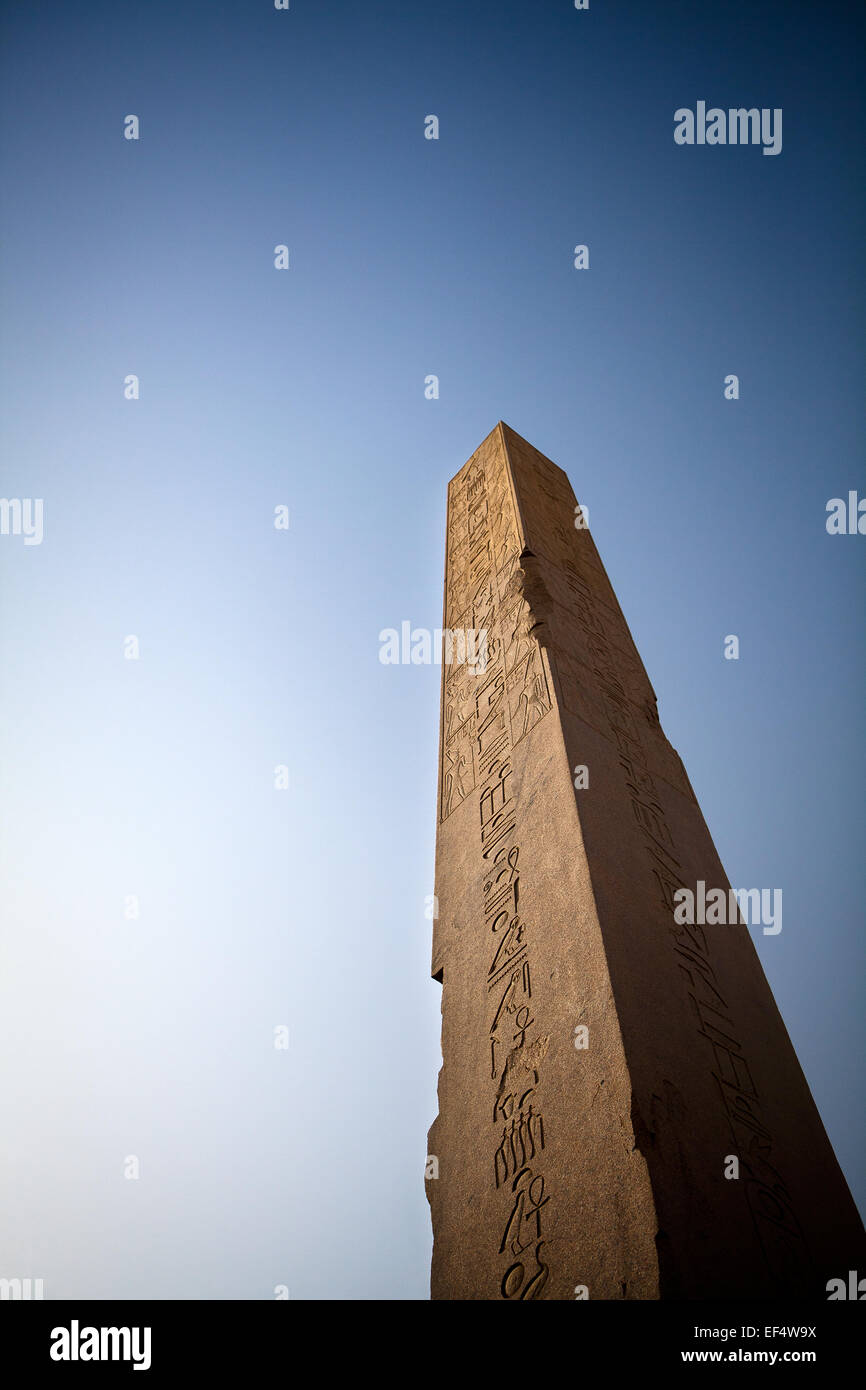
[{"x": 304, "y": 908}]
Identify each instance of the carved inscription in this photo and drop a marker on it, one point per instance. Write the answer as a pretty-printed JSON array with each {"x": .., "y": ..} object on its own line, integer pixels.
[
  {"x": 779, "y": 1232},
  {"x": 484, "y": 718},
  {"x": 518, "y": 568}
]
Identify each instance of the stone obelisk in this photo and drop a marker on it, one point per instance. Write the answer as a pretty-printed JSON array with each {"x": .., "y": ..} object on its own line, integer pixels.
[{"x": 621, "y": 1111}]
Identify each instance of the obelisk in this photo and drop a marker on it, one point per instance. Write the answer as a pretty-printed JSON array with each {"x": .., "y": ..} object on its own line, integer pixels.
[{"x": 621, "y": 1111}]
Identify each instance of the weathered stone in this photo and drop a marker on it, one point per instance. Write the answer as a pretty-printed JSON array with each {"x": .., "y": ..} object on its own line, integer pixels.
[{"x": 602, "y": 1063}]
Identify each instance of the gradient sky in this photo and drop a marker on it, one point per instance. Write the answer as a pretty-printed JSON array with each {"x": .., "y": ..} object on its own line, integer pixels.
[{"x": 155, "y": 777}]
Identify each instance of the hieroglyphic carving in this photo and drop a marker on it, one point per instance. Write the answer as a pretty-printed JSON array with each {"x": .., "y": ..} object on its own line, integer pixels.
[
  {"x": 486, "y": 712},
  {"x": 604, "y": 683},
  {"x": 638, "y": 1185},
  {"x": 779, "y": 1232},
  {"x": 484, "y": 716}
]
